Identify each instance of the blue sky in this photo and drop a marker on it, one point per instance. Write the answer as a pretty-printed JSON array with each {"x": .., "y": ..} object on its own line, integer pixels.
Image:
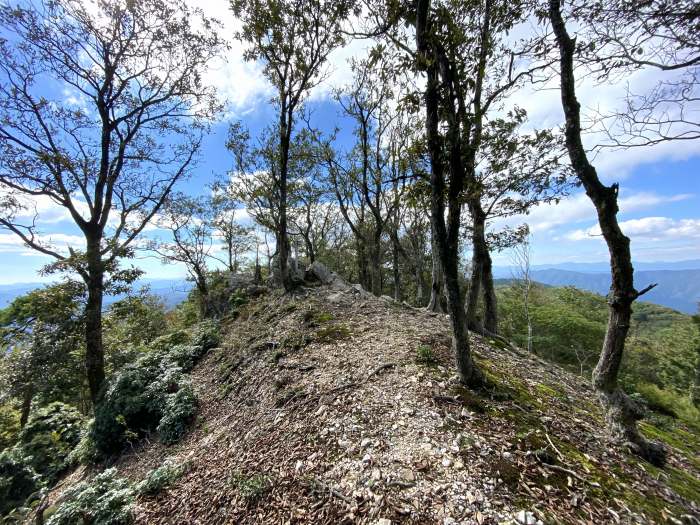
[{"x": 660, "y": 186}]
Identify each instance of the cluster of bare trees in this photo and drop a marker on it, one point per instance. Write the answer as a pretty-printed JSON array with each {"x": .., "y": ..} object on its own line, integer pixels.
[{"x": 438, "y": 150}]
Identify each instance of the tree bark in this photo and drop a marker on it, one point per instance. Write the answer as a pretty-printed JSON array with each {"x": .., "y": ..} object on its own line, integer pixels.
[
  {"x": 437, "y": 302},
  {"x": 94, "y": 349},
  {"x": 621, "y": 412},
  {"x": 397, "y": 271},
  {"x": 376, "y": 266},
  {"x": 446, "y": 235},
  {"x": 362, "y": 273},
  {"x": 26, "y": 405},
  {"x": 283, "y": 248}
]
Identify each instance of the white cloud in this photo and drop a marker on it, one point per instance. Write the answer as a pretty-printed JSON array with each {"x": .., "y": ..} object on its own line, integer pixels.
[
  {"x": 578, "y": 208},
  {"x": 648, "y": 229}
]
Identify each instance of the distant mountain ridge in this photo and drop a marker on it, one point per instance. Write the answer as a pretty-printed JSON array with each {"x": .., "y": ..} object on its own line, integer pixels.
[
  {"x": 677, "y": 289},
  {"x": 171, "y": 291}
]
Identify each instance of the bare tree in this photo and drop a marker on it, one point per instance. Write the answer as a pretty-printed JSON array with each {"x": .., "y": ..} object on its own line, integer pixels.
[
  {"x": 521, "y": 256},
  {"x": 110, "y": 152},
  {"x": 621, "y": 412},
  {"x": 189, "y": 222},
  {"x": 621, "y": 37}
]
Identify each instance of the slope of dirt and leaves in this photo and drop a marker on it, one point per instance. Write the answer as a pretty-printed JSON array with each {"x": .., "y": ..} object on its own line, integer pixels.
[{"x": 337, "y": 407}]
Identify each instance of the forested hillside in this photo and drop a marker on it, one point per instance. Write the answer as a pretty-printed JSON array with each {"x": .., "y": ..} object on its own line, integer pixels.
[{"x": 336, "y": 180}]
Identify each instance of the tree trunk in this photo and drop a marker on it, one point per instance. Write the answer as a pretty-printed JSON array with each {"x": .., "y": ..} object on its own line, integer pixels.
[
  {"x": 26, "y": 405},
  {"x": 396, "y": 270},
  {"x": 490, "y": 301},
  {"x": 376, "y": 267},
  {"x": 446, "y": 235},
  {"x": 205, "y": 306},
  {"x": 621, "y": 412},
  {"x": 437, "y": 302},
  {"x": 473, "y": 321},
  {"x": 420, "y": 283},
  {"x": 482, "y": 275},
  {"x": 362, "y": 273},
  {"x": 94, "y": 350},
  {"x": 283, "y": 248}
]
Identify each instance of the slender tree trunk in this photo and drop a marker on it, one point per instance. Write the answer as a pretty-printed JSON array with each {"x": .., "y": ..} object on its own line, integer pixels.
[
  {"x": 396, "y": 270},
  {"x": 437, "y": 302},
  {"x": 475, "y": 281},
  {"x": 482, "y": 276},
  {"x": 94, "y": 350},
  {"x": 446, "y": 235},
  {"x": 420, "y": 283},
  {"x": 490, "y": 301},
  {"x": 362, "y": 273},
  {"x": 26, "y": 405},
  {"x": 283, "y": 248},
  {"x": 621, "y": 412},
  {"x": 376, "y": 266}
]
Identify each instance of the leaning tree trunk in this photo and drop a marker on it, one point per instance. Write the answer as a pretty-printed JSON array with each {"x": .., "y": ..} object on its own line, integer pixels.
[
  {"x": 621, "y": 412},
  {"x": 94, "y": 350},
  {"x": 437, "y": 301}
]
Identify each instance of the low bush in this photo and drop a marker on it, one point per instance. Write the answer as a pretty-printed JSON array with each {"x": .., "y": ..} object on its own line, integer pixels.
[
  {"x": 49, "y": 437},
  {"x": 206, "y": 335},
  {"x": 135, "y": 401},
  {"x": 159, "y": 478},
  {"x": 153, "y": 393},
  {"x": 425, "y": 355},
  {"x": 18, "y": 480},
  {"x": 105, "y": 500},
  {"x": 9, "y": 426},
  {"x": 669, "y": 402},
  {"x": 178, "y": 412}
]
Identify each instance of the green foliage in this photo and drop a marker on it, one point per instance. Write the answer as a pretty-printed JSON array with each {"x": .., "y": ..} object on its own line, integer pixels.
[
  {"x": 669, "y": 402},
  {"x": 17, "y": 480},
  {"x": 9, "y": 426},
  {"x": 252, "y": 487},
  {"x": 130, "y": 323},
  {"x": 41, "y": 344},
  {"x": 153, "y": 393},
  {"x": 49, "y": 437},
  {"x": 159, "y": 478},
  {"x": 569, "y": 327},
  {"x": 135, "y": 400},
  {"x": 105, "y": 500},
  {"x": 425, "y": 355},
  {"x": 164, "y": 342},
  {"x": 179, "y": 410},
  {"x": 206, "y": 334}
]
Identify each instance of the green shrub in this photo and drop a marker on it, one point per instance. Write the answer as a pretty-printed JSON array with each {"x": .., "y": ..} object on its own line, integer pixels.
[
  {"x": 206, "y": 334},
  {"x": 135, "y": 401},
  {"x": 179, "y": 410},
  {"x": 669, "y": 402},
  {"x": 159, "y": 478},
  {"x": 186, "y": 356},
  {"x": 251, "y": 487},
  {"x": 9, "y": 426},
  {"x": 165, "y": 342},
  {"x": 85, "y": 452},
  {"x": 425, "y": 355},
  {"x": 106, "y": 500},
  {"x": 49, "y": 437},
  {"x": 18, "y": 480}
]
